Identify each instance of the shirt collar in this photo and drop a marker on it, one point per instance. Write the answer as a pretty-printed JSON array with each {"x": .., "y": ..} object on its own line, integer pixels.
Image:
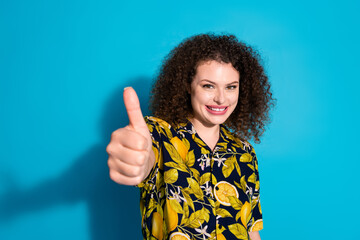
[{"x": 224, "y": 136}]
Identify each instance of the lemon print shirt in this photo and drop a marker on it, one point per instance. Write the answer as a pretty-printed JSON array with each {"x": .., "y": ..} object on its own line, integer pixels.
[{"x": 193, "y": 192}]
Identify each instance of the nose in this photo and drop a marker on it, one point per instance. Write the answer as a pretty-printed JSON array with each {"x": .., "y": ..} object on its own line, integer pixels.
[{"x": 219, "y": 97}]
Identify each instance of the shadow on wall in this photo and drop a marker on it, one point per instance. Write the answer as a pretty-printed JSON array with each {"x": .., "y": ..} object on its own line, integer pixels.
[{"x": 113, "y": 209}]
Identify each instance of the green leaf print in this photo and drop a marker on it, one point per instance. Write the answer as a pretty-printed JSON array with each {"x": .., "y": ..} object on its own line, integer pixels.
[
  {"x": 198, "y": 141},
  {"x": 238, "y": 215},
  {"x": 185, "y": 216},
  {"x": 252, "y": 178},
  {"x": 151, "y": 206},
  {"x": 233, "y": 148},
  {"x": 235, "y": 202},
  {"x": 204, "y": 178},
  {"x": 251, "y": 167},
  {"x": 223, "y": 213},
  {"x": 213, "y": 179},
  {"x": 176, "y": 206},
  {"x": 228, "y": 168},
  {"x": 174, "y": 154},
  {"x": 243, "y": 183},
  {"x": 188, "y": 200},
  {"x": 204, "y": 151},
  {"x": 254, "y": 203},
  {"x": 237, "y": 184},
  {"x": 195, "y": 187},
  {"x": 246, "y": 157},
  {"x": 212, "y": 203},
  {"x": 238, "y": 230},
  {"x": 206, "y": 214},
  {"x": 197, "y": 218},
  {"x": 181, "y": 167},
  {"x": 164, "y": 128},
  {"x": 237, "y": 168},
  {"x": 223, "y": 144},
  {"x": 257, "y": 185},
  {"x": 159, "y": 181},
  {"x": 195, "y": 173},
  {"x": 238, "y": 143},
  {"x": 171, "y": 176},
  {"x": 190, "y": 158}
]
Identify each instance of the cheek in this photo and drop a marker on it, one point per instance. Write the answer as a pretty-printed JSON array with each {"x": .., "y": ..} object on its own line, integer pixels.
[
  {"x": 234, "y": 100},
  {"x": 200, "y": 98}
]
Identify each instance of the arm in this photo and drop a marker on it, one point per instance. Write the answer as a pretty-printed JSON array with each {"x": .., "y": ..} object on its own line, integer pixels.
[
  {"x": 254, "y": 235},
  {"x": 131, "y": 157},
  {"x": 257, "y": 213}
]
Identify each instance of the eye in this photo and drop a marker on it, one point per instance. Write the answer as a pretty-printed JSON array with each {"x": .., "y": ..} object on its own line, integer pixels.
[
  {"x": 208, "y": 86},
  {"x": 232, "y": 87}
]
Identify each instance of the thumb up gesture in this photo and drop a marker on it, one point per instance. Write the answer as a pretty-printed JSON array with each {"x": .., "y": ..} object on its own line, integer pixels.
[{"x": 131, "y": 157}]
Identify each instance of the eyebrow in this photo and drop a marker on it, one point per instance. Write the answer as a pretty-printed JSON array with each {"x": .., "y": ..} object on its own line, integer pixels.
[{"x": 235, "y": 82}]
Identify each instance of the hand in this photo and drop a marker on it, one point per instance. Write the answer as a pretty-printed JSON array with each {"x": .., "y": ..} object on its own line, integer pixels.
[{"x": 131, "y": 157}]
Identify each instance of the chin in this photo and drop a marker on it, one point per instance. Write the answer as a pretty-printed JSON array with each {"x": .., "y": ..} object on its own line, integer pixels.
[{"x": 217, "y": 120}]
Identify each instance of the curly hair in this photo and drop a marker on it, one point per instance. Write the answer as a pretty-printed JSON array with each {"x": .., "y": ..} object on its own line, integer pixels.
[{"x": 170, "y": 98}]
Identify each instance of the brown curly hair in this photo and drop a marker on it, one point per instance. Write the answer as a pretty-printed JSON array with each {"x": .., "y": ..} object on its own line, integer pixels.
[{"x": 170, "y": 98}]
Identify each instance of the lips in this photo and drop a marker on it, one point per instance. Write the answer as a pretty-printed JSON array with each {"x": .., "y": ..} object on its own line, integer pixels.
[{"x": 216, "y": 110}]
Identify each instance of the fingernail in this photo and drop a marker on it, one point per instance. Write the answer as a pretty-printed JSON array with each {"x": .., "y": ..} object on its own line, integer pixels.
[{"x": 126, "y": 88}]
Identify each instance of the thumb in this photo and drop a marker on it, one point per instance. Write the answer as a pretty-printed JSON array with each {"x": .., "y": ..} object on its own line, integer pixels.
[{"x": 133, "y": 109}]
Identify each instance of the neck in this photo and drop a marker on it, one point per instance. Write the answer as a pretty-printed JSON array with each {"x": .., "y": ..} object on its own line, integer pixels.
[{"x": 209, "y": 134}]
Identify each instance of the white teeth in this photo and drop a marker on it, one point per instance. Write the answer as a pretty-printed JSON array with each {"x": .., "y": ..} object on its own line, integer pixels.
[{"x": 217, "y": 109}]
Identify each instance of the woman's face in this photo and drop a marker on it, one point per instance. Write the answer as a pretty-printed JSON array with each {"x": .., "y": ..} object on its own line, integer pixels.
[{"x": 214, "y": 93}]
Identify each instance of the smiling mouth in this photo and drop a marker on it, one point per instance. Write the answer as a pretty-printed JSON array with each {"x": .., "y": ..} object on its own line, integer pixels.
[{"x": 217, "y": 109}]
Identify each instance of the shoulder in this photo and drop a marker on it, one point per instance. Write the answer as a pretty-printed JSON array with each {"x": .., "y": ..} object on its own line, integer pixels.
[
  {"x": 159, "y": 127},
  {"x": 238, "y": 142},
  {"x": 156, "y": 121},
  {"x": 151, "y": 120}
]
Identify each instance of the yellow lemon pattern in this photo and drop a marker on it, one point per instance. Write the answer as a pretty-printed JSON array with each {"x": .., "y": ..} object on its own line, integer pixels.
[
  {"x": 179, "y": 236},
  {"x": 171, "y": 217},
  {"x": 157, "y": 222},
  {"x": 257, "y": 226},
  {"x": 224, "y": 190},
  {"x": 245, "y": 213},
  {"x": 220, "y": 237},
  {"x": 180, "y": 147},
  {"x": 191, "y": 186}
]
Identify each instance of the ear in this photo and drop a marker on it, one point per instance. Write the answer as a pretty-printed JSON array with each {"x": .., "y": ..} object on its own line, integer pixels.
[{"x": 188, "y": 90}]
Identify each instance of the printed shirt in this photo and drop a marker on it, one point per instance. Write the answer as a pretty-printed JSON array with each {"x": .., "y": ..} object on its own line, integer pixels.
[{"x": 194, "y": 192}]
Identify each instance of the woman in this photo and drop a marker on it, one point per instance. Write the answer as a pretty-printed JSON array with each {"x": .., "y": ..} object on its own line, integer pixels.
[{"x": 197, "y": 173}]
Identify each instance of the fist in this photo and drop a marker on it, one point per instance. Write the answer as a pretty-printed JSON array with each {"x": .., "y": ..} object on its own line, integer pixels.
[{"x": 131, "y": 157}]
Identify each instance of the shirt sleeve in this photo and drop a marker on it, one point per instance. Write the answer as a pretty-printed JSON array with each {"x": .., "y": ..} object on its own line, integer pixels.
[
  {"x": 152, "y": 190},
  {"x": 156, "y": 147},
  {"x": 256, "y": 222}
]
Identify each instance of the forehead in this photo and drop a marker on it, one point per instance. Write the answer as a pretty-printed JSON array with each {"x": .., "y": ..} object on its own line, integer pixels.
[{"x": 216, "y": 71}]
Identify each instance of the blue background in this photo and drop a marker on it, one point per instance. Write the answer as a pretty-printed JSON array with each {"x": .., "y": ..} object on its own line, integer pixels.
[{"x": 63, "y": 65}]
